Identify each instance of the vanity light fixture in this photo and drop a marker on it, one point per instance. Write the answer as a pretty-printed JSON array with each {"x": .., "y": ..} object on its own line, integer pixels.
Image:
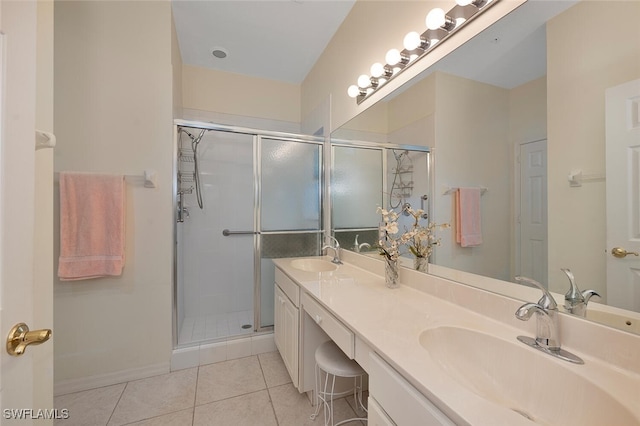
[
  {"x": 440, "y": 25},
  {"x": 438, "y": 19}
]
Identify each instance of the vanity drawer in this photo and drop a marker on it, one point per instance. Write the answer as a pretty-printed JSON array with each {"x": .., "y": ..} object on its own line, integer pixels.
[
  {"x": 399, "y": 399},
  {"x": 339, "y": 333},
  {"x": 291, "y": 289}
]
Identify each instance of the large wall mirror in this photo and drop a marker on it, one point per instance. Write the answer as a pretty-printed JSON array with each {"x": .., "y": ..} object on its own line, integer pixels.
[{"x": 520, "y": 111}]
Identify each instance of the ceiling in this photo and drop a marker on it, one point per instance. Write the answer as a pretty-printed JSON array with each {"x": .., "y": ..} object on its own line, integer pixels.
[
  {"x": 282, "y": 39},
  {"x": 273, "y": 39}
]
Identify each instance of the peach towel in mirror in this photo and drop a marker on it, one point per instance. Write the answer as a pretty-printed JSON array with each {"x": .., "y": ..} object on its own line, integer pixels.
[
  {"x": 92, "y": 214},
  {"x": 468, "y": 217}
]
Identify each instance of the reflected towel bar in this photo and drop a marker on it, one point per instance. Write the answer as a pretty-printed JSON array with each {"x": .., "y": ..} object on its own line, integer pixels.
[{"x": 448, "y": 190}]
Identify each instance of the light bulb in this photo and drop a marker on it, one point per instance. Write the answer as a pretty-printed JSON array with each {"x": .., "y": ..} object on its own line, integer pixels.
[
  {"x": 463, "y": 2},
  {"x": 393, "y": 57},
  {"x": 353, "y": 91},
  {"x": 412, "y": 40},
  {"x": 435, "y": 19},
  {"x": 377, "y": 70},
  {"x": 460, "y": 21},
  {"x": 364, "y": 81}
]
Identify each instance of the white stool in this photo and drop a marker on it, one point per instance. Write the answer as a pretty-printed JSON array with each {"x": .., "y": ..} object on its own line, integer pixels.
[{"x": 331, "y": 360}]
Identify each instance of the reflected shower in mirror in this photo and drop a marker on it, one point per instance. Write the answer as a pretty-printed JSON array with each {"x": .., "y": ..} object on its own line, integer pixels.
[
  {"x": 367, "y": 176},
  {"x": 514, "y": 111}
]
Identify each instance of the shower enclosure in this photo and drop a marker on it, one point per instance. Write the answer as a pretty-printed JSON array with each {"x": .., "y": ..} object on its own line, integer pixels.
[
  {"x": 367, "y": 175},
  {"x": 243, "y": 197}
]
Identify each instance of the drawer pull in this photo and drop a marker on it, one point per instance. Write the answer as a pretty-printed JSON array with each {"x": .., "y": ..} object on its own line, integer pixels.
[{"x": 318, "y": 319}]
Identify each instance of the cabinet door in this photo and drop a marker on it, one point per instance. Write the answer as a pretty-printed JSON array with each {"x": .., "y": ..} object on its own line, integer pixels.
[
  {"x": 278, "y": 329},
  {"x": 286, "y": 326},
  {"x": 290, "y": 321}
]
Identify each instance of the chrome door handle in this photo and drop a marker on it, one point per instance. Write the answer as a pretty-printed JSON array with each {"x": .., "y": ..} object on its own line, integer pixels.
[
  {"x": 20, "y": 337},
  {"x": 620, "y": 252}
]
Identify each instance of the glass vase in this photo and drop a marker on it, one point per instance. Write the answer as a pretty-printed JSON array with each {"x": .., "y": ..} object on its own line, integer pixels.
[
  {"x": 420, "y": 264},
  {"x": 391, "y": 273}
]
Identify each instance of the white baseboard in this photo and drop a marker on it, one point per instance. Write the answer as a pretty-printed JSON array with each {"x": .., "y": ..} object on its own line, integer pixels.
[
  {"x": 85, "y": 383},
  {"x": 181, "y": 358}
]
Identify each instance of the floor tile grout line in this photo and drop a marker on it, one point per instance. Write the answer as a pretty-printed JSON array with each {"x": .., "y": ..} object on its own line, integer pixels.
[
  {"x": 117, "y": 402},
  {"x": 273, "y": 409},
  {"x": 195, "y": 396}
]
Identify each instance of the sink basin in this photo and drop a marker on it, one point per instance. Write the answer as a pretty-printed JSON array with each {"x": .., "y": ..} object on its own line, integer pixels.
[
  {"x": 313, "y": 265},
  {"x": 512, "y": 375}
]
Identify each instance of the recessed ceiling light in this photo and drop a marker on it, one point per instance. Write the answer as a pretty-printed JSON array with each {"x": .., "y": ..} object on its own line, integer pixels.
[{"x": 220, "y": 52}]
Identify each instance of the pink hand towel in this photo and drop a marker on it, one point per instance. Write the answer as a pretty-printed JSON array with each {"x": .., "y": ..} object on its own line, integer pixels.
[
  {"x": 92, "y": 213},
  {"x": 468, "y": 217}
]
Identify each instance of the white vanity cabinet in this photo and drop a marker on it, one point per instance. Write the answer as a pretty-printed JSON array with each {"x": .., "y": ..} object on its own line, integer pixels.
[
  {"x": 286, "y": 326},
  {"x": 302, "y": 323}
]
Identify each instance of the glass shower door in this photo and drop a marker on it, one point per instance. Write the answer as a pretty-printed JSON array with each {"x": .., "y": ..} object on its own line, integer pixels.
[
  {"x": 216, "y": 276},
  {"x": 290, "y": 209}
]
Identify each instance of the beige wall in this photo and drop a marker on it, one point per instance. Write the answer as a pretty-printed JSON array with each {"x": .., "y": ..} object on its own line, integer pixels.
[
  {"x": 471, "y": 132},
  {"x": 528, "y": 112},
  {"x": 581, "y": 65},
  {"x": 113, "y": 114},
  {"x": 239, "y": 95},
  {"x": 176, "y": 62}
]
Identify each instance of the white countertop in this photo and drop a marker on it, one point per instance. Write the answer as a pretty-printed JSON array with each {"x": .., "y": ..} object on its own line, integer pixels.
[{"x": 390, "y": 321}]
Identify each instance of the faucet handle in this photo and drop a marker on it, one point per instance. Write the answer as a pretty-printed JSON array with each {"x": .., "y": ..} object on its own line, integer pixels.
[
  {"x": 332, "y": 238},
  {"x": 546, "y": 301},
  {"x": 573, "y": 294}
]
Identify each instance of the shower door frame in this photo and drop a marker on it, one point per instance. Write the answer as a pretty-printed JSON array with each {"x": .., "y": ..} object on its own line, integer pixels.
[{"x": 257, "y": 135}]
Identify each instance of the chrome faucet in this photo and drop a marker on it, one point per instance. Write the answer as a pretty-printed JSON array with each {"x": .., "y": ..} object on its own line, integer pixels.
[
  {"x": 336, "y": 249},
  {"x": 547, "y": 328},
  {"x": 575, "y": 302},
  {"x": 357, "y": 247}
]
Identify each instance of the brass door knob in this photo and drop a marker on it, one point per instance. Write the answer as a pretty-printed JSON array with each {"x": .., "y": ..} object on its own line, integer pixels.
[
  {"x": 619, "y": 252},
  {"x": 20, "y": 337}
]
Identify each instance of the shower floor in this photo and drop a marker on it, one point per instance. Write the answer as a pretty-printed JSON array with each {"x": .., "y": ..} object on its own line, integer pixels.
[{"x": 211, "y": 327}]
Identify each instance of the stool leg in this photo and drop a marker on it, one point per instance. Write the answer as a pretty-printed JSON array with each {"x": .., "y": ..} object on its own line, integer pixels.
[
  {"x": 360, "y": 397},
  {"x": 333, "y": 388},
  {"x": 317, "y": 391},
  {"x": 325, "y": 405}
]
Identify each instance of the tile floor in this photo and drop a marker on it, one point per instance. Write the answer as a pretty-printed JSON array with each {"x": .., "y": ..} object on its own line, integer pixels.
[{"x": 252, "y": 391}]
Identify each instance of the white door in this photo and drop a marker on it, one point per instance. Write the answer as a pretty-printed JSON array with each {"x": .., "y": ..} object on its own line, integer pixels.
[
  {"x": 532, "y": 259},
  {"x": 26, "y": 381},
  {"x": 623, "y": 194}
]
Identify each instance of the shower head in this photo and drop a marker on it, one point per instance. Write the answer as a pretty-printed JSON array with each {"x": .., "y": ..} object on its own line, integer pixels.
[
  {"x": 399, "y": 156},
  {"x": 197, "y": 140}
]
